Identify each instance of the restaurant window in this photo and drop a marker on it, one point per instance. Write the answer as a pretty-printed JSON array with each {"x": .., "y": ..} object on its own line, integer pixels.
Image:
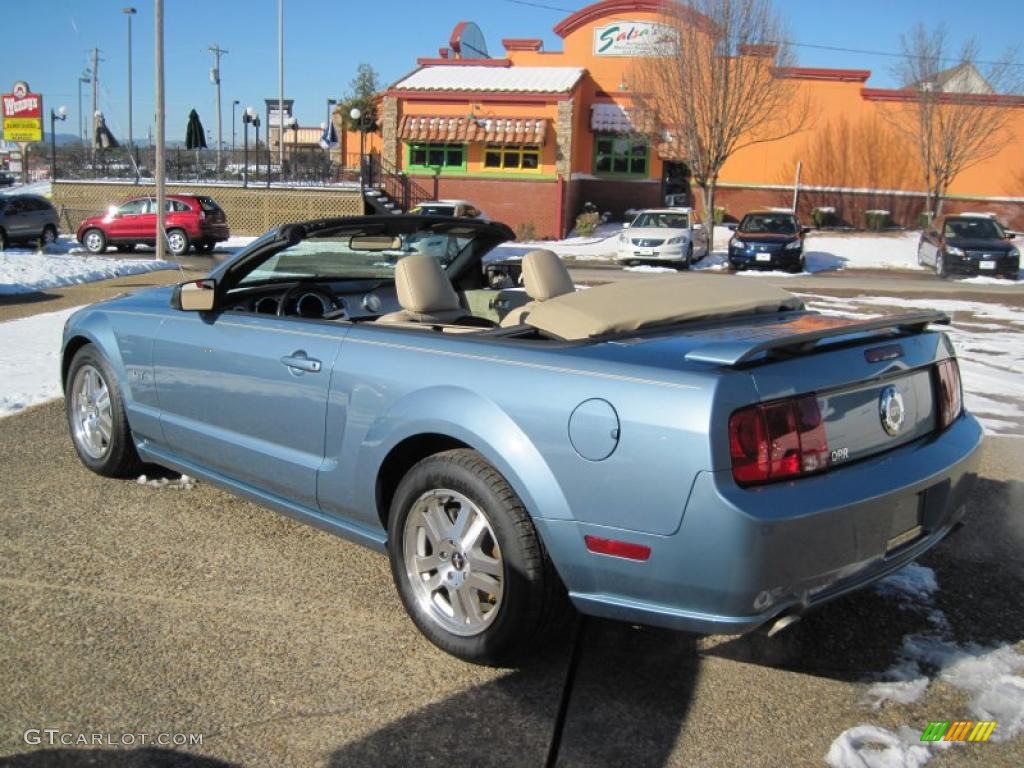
[
  {"x": 512, "y": 157},
  {"x": 430, "y": 155},
  {"x": 616, "y": 155}
]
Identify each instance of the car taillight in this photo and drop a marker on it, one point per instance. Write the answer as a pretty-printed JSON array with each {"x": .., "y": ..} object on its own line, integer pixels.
[
  {"x": 778, "y": 440},
  {"x": 951, "y": 399}
]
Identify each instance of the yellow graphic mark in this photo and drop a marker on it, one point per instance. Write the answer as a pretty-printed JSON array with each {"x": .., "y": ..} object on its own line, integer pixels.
[{"x": 982, "y": 730}]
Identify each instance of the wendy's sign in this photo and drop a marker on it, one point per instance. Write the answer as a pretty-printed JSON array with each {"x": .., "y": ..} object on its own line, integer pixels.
[
  {"x": 22, "y": 113},
  {"x": 634, "y": 38}
]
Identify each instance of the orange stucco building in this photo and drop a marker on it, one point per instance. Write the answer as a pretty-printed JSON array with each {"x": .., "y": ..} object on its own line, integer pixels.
[{"x": 533, "y": 135}]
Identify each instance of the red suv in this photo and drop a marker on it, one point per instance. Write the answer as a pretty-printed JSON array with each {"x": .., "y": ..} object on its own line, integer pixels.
[{"x": 190, "y": 220}]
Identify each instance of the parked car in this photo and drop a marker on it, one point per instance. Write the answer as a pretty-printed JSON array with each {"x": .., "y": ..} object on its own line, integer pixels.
[
  {"x": 448, "y": 208},
  {"x": 27, "y": 219},
  {"x": 681, "y": 451},
  {"x": 663, "y": 235},
  {"x": 969, "y": 244},
  {"x": 6, "y": 179},
  {"x": 768, "y": 240},
  {"x": 191, "y": 220}
]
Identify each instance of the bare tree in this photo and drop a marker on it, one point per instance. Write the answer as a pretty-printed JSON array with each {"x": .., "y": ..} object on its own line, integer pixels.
[
  {"x": 954, "y": 113},
  {"x": 714, "y": 89}
]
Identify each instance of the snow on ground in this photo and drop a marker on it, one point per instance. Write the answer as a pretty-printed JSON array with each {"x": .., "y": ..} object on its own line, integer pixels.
[
  {"x": 988, "y": 675},
  {"x": 987, "y": 337},
  {"x": 30, "y": 360},
  {"x": 600, "y": 246},
  {"x": 23, "y": 270}
]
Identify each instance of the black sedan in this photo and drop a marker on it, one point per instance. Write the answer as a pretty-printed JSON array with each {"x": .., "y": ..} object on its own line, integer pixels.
[
  {"x": 969, "y": 244},
  {"x": 768, "y": 240}
]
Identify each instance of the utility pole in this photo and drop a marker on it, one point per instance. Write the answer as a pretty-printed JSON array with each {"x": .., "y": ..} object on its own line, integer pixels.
[
  {"x": 161, "y": 194},
  {"x": 217, "y": 52},
  {"x": 95, "y": 72},
  {"x": 280, "y": 86},
  {"x": 129, "y": 12}
]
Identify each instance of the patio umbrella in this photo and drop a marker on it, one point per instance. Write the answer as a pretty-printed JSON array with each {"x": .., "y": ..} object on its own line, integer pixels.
[
  {"x": 329, "y": 138},
  {"x": 195, "y": 136},
  {"x": 104, "y": 139}
]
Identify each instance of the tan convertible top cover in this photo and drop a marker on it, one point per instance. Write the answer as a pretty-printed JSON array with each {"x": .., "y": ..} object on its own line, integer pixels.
[{"x": 632, "y": 305}]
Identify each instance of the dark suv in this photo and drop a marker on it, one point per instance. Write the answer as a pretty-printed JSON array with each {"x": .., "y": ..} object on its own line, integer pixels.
[
  {"x": 768, "y": 239},
  {"x": 969, "y": 244},
  {"x": 27, "y": 219}
]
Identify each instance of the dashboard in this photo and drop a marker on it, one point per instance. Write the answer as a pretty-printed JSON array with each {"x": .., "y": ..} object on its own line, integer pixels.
[{"x": 326, "y": 300}]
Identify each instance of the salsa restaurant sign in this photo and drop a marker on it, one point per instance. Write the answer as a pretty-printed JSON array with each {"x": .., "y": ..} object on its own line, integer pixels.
[
  {"x": 23, "y": 114},
  {"x": 634, "y": 38}
]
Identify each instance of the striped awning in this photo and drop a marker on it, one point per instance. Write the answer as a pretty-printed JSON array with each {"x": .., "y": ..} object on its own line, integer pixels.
[{"x": 490, "y": 130}]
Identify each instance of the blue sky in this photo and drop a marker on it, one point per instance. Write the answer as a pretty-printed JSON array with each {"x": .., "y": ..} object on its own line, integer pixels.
[{"x": 324, "y": 41}]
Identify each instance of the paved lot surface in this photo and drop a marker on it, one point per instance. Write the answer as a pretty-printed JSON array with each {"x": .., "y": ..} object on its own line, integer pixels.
[{"x": 129, "y": 608}]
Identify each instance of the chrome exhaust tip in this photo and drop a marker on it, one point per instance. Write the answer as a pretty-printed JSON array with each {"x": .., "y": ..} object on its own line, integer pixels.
[{"x": 783, "y": 622}]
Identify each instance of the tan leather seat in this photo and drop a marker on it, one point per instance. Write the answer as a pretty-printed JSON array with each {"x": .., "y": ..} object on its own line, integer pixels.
[
  {"x": 425, "y": 293},
  {"x": 544, "y": 277}
]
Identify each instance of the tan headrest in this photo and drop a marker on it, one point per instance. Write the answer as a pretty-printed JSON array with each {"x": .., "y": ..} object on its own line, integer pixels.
[
  {"x": 545, "y": 276},
  {"x": 422, "y": 285}
]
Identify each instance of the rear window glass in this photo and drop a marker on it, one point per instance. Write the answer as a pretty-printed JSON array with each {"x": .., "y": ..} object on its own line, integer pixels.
[
  {"x": 434, "y": 210},
  {"x": 208, "y": 204}
]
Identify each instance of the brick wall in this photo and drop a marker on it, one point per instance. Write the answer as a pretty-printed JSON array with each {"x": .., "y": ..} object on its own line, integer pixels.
[
  {"x": 509, "y": 201},
  {"x": 250, "y": 211},
  {"x": 614, "y": 196}
]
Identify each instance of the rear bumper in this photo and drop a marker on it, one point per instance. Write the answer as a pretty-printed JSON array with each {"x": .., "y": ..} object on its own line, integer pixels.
[{"x": 742, "y": 557}]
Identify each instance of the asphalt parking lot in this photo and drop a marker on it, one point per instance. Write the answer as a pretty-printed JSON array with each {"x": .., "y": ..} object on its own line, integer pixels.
[{"x": 129, "y": 608}]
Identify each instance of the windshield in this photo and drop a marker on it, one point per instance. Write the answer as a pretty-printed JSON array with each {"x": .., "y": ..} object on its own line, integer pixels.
[
  {"x": 335, "y": 258},
  {"x": 769, "y": 223},
  {"x": 433, "y": 209},
  {"x": 974, "y": 228},
  {"x": 662, "y": 220}
]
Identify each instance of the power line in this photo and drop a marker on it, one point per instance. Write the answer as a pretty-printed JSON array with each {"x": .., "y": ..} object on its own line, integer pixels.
[
  {"x": 835, "y": 48},
  {"x": 890, "y": 54}
]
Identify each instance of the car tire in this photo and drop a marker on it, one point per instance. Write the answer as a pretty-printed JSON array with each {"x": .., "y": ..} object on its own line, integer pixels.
[
  {"x": 940, "y": 265},
  {"x": 178, "y": 242},
  {"x": 4, "y": 242},
  {"x": 94, "y": 241},
  {"x": 96, "y": 416},
  {"x": 48, "y": 237},
  {"x": 125, "y": 247},
  {"x": 460, "y": 489}
]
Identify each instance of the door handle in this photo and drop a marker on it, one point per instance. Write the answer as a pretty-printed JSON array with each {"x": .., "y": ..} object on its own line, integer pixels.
[{"x": 299, "y": 362}]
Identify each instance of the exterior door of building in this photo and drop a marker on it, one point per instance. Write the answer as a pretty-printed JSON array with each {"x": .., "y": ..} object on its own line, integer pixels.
[{"x": 675, "y": 184}]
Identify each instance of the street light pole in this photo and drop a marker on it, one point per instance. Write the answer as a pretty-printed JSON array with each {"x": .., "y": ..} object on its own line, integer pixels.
[
  {"x": 60, "y": 114},
  {"x": 234, "y": 133},
  {"x": 217, "y": 52},
  {"x": 161, "y": 192},
  {"x": 280, "y": 89},
  {"x": 361, "y": 122},
  {"x": 129, "y": 12}
]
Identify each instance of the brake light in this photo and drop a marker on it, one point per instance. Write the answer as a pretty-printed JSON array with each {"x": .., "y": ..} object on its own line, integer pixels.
[
  {"x": 951, "y": 399},
  {"x": 777, "y": 441}
]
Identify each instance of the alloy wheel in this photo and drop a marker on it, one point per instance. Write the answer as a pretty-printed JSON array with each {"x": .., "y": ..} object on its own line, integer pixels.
[
  {"x": 453, "y": 562},
  {"x": 91, "y": 414}
]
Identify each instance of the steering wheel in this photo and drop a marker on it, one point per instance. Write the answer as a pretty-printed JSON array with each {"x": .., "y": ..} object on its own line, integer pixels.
[{"x": 311, "y": 301}]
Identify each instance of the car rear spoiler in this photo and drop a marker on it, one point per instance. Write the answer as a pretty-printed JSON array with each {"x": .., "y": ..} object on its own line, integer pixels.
[{"x": 740, "y": 351}]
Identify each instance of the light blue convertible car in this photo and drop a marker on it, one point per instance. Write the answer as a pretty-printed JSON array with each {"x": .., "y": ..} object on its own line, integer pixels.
[{"x": 689, "y": 451}]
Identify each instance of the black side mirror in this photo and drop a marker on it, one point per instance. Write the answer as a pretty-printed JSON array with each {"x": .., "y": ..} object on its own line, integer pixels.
[{"x": 195, "y": 295}]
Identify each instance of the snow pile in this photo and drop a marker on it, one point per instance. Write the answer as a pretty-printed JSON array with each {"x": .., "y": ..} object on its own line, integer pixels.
[
  {"x": 183, "y": 483},
  {"x": 987, "y": 675},
  {"x": 600, "y": 246},
  {"x": 30, "y": 360},
  {"x": 987, "y": 338},
  {"x": 26, "y": 272},
  {"x": 648, "y": 268},
  {"x": 869, "y": 746}
]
